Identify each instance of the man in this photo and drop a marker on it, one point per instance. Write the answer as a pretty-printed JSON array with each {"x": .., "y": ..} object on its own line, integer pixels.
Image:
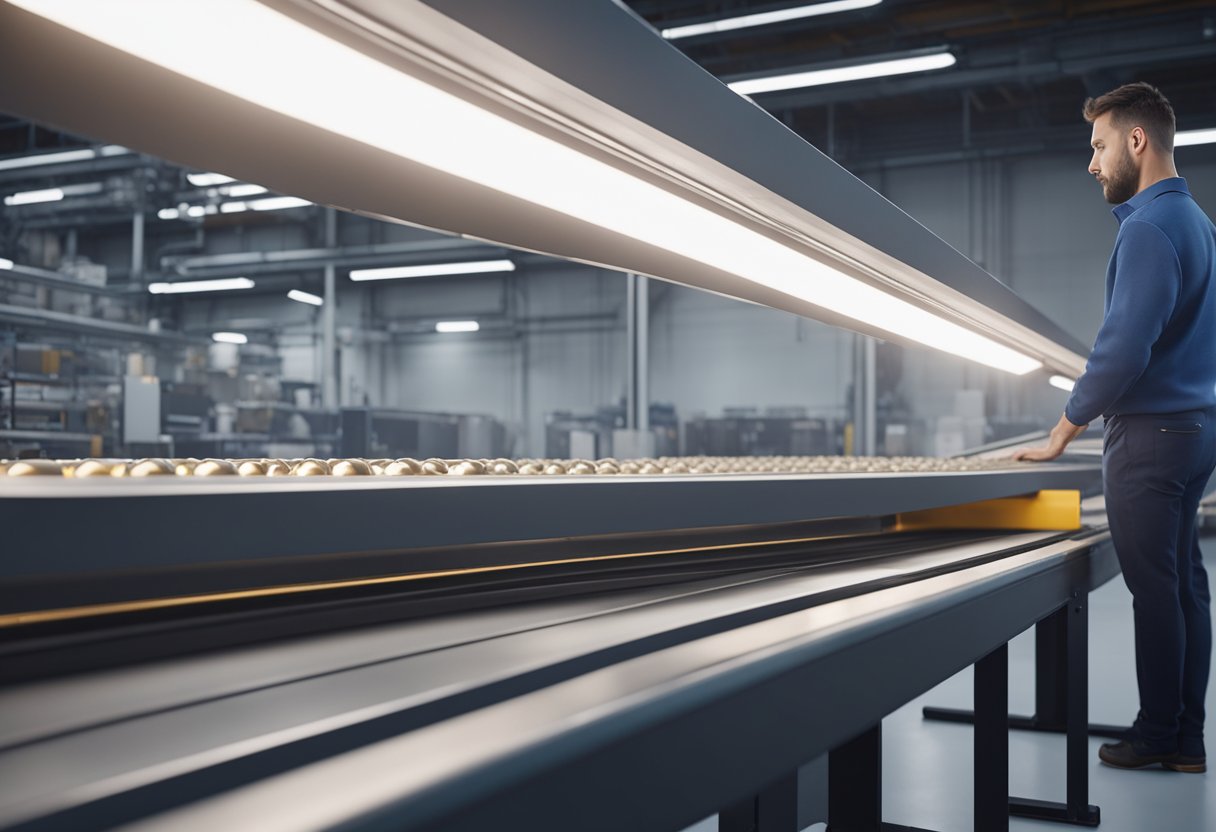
[{"x": 1152, "y": 374}]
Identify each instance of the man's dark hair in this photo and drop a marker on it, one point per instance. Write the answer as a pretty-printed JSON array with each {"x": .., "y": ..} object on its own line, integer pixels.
[{"x": 1136, "y": 105}]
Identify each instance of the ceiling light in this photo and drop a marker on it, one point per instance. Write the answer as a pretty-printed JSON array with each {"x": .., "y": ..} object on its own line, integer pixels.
[
  {"x": 1062, "y": 382},
  {"x": 312, "y": 81},
  {"x": 33, "y": 197},
  {"x": 233, "y": 207},
  {"x": 183, "y": 286},
  {"x": 62, "y": 156},
  {"x": 276, "y": 203},
  {"x": 243, "y": 190},
  {"x": 1185, "y": 137},
  {"x": 229, "y": 338},
  {"x": 434, "y": 270},
  {"x": 457, "y": 326},
  {"x": 207, "y": 180},
  {"x": 196, "y": 211},
  {"x": 168, "y": 213},
  {"x": 746, "y": 21},
  {"x": 6, "y": 264},
  {"x": 840, "y": 74},
  {"x": 306, "y": 297}
]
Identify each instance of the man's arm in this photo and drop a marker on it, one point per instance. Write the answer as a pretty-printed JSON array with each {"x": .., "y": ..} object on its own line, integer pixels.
[{"x": 1063, "y": 433}]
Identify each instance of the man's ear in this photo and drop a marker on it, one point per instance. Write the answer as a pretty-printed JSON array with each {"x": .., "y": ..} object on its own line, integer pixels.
[{"x": 1137, "y": 140}]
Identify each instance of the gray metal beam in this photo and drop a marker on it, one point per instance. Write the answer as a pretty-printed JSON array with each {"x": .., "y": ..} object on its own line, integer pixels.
[{"x": 63, "y": 322}]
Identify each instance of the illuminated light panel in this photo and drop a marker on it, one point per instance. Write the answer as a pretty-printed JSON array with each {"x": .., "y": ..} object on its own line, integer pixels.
[
  {"x": 6, "y": 264},
  {"x": 34, "y": 197},
  {"x": 229, "y": 338},
  {"x": 63, "y": 156},
  {"x": 243, "y": 190},
  {"x": 747, "y": 21},
  {"x": 1188, "y": 137},
  {"x": 277, "y": 203},
  {"x": 207, "y": 180},
  {"x": 196, "y": 211},
  {"x": 277, "y": 63},
  {"x": 840, "y": 74},
  {"x": 433, "y": 270},
  {"x": 185, "y": 286},
  {"x": 168, "y": 213},
  {"x": 1062, "y": 382},
  {"x": 457, "y": 326},
  {"x": 306, "y": 297}
]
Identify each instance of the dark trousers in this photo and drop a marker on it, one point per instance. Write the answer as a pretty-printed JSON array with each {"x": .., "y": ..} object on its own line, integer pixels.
[{"x": 1155, "y": 468}]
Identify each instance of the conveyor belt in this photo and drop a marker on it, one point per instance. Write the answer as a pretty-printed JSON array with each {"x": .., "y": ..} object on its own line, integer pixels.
[{"x": 115, "y": 745}]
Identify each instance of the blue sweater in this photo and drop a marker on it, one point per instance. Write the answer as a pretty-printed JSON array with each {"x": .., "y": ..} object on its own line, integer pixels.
[{"x": 1156, "y": 350}]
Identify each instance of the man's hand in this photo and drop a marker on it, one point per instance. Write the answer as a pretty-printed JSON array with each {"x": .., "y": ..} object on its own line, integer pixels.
[{"x": 1063, "y": 433}]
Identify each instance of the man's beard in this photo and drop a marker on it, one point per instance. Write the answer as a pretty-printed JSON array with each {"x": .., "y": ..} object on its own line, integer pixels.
[{"x": 1122, "y": 182}]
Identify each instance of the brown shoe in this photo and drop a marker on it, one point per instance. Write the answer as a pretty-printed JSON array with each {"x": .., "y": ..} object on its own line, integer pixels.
[{"x": 1126, "y": 755}]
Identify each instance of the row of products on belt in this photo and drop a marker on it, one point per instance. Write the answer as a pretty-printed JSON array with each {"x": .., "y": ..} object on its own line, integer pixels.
[{"x": 262, "y": 467}]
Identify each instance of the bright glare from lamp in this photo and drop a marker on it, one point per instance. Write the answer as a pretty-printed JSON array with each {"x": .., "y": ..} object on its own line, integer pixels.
[
  {"x": 746, "y": 21},
  {"x": 275, "y": 62},
  {"x": 208, "y": 180},
  {"x": 6, "y": 264},
  {"x": 168, "y": 213},
  {"x": 229, "y": 338},
  {"x": 306, "y": 297},
  {"x": 434, "y": 270},
  {"x": 277, "y": 203},
  {"x": 243, "y": 190},
  {"x": 1062, "y": 382},
  {"x": 840, "y": 74},
  {"x": 62, "y": 157},
  {"x": 188, "y": 286},
  {"x": 34, "y": 197},
  {"x": 1187, "y": 137},
  {"x": 457, "y": 326}
]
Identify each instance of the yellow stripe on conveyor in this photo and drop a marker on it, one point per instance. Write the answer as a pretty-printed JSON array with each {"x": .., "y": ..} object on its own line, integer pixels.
[{"x": 1048, "y": 510}]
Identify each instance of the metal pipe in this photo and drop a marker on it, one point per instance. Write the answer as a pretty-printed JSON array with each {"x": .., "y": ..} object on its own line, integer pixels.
[
  {"x": 329, "y": 388},
  {"x": 137, "y": 247}
]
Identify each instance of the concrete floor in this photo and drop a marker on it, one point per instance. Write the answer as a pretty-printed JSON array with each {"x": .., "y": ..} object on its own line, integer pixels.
[{"x": 927, "y": 765}]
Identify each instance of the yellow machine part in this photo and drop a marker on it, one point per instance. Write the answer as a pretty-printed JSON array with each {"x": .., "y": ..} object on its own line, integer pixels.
[{"x": 1048, "y": 510}]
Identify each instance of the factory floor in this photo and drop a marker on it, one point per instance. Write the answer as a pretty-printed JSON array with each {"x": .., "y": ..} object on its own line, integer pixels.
[{"x": 927, "y": 765}]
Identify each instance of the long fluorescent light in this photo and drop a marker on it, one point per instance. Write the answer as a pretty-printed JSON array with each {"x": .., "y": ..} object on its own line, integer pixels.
[
  {"x": 306, "y": 297},
  {"x": 222, "y": 285},
  {"x": 434, "y": 270},
  {"x": 1062, "y": 382},
  {"x": 229, "y": 338},
  {"x": 6, "y": 264},
  {"x": 243, "y": 190},
  {"x": 277, "y": 203},
  {"x": 207, "y": 180},
  {"x": 840, "y": 74},
  {"x": 168, "y": 213},
  {"x": 746, "y": 21},
  {"x": 457, "y": 326},
  {"x": 1185, "y": 137},
  {"x": 34, "y": 197},
  {"x": 62, "y": 156},
  {"x": 312, "y": 79}
]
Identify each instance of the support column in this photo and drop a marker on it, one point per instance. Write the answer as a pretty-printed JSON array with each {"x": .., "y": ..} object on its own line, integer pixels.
[
  {"x": 137, "y": 246},
  {"x": 329, "y": 385},
  {"x": 637, "y": 332},
  {"x": 865, "y": 408}
]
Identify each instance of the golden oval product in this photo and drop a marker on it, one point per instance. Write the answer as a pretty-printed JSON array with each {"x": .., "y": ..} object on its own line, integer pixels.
[
  {"x": 630, "y": 467},
  {"x": 531, "y": 468},
  {"x": 35, "y": 468},
  {"x": 503, "y": 466},
  {"x": 555, "y": 468},
  {"x": 403, "y": 468},
  {"x": 607, "y": 468},
  {"x": 607, "y": 461},
  {"x": 676, "y": 468},
  {"x": 277, "y": 468},
  {"x": 351, "y": 468},
  {"x": 434, "y": 466},
  {"x": 311, "y": 468},
  {"x": 184, "y": 467},
  {"x": 252, "y": 468},
  {"x": 467, "y": 468},
  {"x": 581, "y": 466},
  {"x": 150, "y": 468},
  {"x": 215, "y": 468},
  {"x": 649, "y": 468},
  {"x": 94, "y": 468}
]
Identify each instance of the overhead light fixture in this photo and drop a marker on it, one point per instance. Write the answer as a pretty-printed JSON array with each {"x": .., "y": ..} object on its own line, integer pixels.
[
  {"x": 1186, "y": 137},
  {"x": 1062, "y": 382},
  {"x": 62, "y": 157},
  {"x": 168, "y": 213},
  {"x": 6, "y": 264},
  {"x": 747, "y": 21},
  {"x": 224, "y": 284},
  {"x": 840, "y": 74},
  {"x": 434, "y": 270},
  {"x": 229, "y": 338},
  {"x": 457, "y": 326},
  {"x": 34, "y": 197},
  {"x": 312, "y": 82},
  {"x": 208, "y": 180},
  {"x": 277, "y": 203},
  {"x": 306, "y": 297},
  {"x": 243, "y": 190}
]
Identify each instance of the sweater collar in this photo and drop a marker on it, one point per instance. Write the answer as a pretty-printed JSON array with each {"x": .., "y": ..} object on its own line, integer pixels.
[{"x": 1125, "y": 210}]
